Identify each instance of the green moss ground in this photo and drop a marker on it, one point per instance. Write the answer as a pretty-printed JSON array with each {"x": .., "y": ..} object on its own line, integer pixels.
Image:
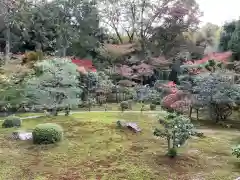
[{"x": 93, "y": 148}]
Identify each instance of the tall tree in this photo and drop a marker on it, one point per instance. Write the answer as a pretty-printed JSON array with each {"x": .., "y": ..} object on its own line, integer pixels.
[
  {"x": 138, "y": 18},
  {"x": 8, "y": 11},
  {"x": 234, "y": 43}
]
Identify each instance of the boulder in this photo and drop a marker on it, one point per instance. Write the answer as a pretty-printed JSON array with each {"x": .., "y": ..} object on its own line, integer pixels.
[
  {"x": 22, "y": 135},
  {"x": 121, "y": 123},
  {"x": 130, "y": 125},
  {"x": 133, "y": 126}
]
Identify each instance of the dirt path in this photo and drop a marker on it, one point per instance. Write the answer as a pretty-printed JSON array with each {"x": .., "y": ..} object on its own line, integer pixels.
[{"x": 79, "y": 112}]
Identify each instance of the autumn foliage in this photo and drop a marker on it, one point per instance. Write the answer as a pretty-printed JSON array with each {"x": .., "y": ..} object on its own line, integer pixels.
[{"x": 175, "y": 100}]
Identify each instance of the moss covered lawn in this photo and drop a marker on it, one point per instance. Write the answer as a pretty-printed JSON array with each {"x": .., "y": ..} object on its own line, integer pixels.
[{"x": 94, "y": 149}]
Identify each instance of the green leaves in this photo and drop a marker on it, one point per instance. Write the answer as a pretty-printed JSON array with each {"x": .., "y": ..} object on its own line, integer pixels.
[
  {"x": 236, "y": 151},
  {"x": 176, "y": 129},
  {"x": 57, "y": 86}
]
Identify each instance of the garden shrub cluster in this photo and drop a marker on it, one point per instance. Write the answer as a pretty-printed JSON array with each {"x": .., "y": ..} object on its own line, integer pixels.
[
  {"x": 12, "y": 121},
  {"x": 153, "y": 107},
  {"x": 47, "y": 133},
  {"x": 124, "y": 105}
]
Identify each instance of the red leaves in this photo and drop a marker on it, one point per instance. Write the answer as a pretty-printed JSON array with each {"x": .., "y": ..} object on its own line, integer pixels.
[
  {"x": 180, "y": 106},
  {"x": 174, "y": 100},
  {"x": 222, "y": 57},
  {"x": 134, "y": 71},
  {"x": 84, "y": 65},
  {"x": 124, "y": 71},
  {"x": 160, "y": 62},
  {"x": 169, "y": 100}
]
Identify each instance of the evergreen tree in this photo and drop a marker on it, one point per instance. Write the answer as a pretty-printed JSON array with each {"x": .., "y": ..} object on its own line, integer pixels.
[
  {"x": 55, "y": 85},
  {"x": 234, "y": 43}
]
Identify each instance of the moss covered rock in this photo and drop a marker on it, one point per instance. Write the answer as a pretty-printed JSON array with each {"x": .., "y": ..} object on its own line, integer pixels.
[{"x": 47, "y": 133}]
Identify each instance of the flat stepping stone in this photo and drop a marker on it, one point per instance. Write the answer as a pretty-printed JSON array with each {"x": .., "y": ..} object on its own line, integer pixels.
[
  {"x": 133, "y": 126},
  {"x": 130, "y": 125}
]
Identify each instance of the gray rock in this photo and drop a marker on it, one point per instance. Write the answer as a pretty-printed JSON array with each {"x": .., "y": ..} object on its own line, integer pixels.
[
  {"x": 133, "y": 126},
  {"x": 130, "y": 125},
  {"x": 121, "y": 123},
  {"x": 21, "y": 135}
]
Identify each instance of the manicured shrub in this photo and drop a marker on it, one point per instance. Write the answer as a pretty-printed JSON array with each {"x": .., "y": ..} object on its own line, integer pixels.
[
  {"x": 47, "y": 133},
  {"x": 124, "y": 105},
  {"x": 153, "y": 107},
  {"x": 12, "y": 121}
]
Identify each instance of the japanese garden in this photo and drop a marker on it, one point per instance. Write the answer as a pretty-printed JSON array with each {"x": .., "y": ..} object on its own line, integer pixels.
[{"x": 117, "y": 90}]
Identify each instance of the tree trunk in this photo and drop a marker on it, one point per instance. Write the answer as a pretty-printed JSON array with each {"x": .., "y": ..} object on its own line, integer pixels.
[
  {"x": 190, "y": 112},
  {"x": 7, "y": 47},
  {"x": 64, "y": 52},
  {"x": 169, "y": 142},
  {"x": 119, "y": 36},
  {"x": 142, "y": 42},
  {"x": 197, "y": 113},
  {"x": 174, "y": 143}
]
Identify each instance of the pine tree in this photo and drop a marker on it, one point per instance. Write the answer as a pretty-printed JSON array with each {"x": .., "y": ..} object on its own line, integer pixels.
[{"x": 56, "y": 85}]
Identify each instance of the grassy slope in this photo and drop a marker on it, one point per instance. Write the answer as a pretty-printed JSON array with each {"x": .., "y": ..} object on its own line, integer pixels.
[{"x": 94, "y": 148}]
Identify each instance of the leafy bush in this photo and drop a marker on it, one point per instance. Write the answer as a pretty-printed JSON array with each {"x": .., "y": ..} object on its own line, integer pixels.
[
  {"x": 12, "y": 121},
  {"x": 154, "y": 96},
  {"x": 130, "y": 102},
  {"x": 169, "y": 100},
  {"x": 46, "y": 113},
  {"x": 124, "y": 105},
  {"x": 180, "y": 106},
  {"x": 56, "y": 85},
  {"x": 217, "y": 91},
  {"x": 172, "y": 152},
  {"x": 153, "y": 107},
  {"x": 47, "y": 133},
  {"x": 176, "y": 129},
  {"x": 236, "y": 151},
  {"x": 32, "y": 56},
  {"x": 91, "y": 102}
]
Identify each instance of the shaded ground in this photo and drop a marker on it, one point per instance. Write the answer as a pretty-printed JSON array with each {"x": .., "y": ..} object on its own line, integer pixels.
[{"x": 94, "y": 149}]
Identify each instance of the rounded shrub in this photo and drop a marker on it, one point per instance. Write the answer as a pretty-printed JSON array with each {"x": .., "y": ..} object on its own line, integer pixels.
[
  {"x": 12, "y": 121},
  {"x": 124, "y": 105},
  {"x": 153, "y": 107},
  {"x": 47, "y": 133},
  {"x": 32, "y": 56},
  {"x": 172, "y": 152}
]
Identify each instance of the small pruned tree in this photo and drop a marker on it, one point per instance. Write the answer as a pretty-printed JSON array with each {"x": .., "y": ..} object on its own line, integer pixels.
[
  {"x": 91, "y": 102},
  {"x": 55, "y": 85},
  {"x": 236, "y": 151},
  {"x": 176, "y": 130},
  {"x": 218, "y": 92},
  {"x": 124, "y": 106}
]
